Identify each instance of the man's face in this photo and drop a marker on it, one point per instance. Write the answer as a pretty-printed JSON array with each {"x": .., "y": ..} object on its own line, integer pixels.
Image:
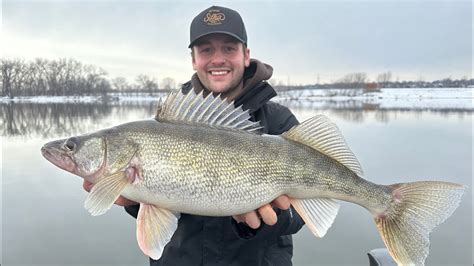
[{"x": 220, "y": 61}]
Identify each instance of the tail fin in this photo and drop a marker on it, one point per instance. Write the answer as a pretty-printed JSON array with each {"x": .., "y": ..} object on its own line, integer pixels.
[{"x": 416, "y": 209}]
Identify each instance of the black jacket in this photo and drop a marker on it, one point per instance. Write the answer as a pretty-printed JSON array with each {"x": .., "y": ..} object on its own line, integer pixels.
[{"x": 201, "y": 240}]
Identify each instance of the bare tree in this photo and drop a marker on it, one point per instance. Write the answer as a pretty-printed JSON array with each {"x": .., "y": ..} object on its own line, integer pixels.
[
  {"x": 352, "y": 80},
  {"x": 384, "y": 78},
  {"x": 51, "y": 77},
  {"x": 168, "y": 84},
  {"x": 39, "y": 71},
  {"x": 7, "y": 76},
  {"x": 120, "y": 84},
  {"x": 13, "y": 76},
  {"x": 95, "y": 79},
  {"x": 147, "y": 83}
]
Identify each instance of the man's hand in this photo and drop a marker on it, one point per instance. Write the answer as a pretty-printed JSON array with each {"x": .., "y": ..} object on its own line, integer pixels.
[
  {"x": 266, "y": 213},
  {"x": 120, "y": 201}
]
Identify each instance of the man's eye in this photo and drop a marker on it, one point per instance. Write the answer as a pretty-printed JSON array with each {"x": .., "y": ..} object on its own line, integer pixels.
[
  {"x": 205, "y": 50},
  {"x": 229, "y": 49}
]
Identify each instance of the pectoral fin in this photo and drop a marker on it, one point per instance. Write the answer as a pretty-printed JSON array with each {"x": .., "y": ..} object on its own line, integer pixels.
[
  {"x": 155, "y": 227},
  {"x": 105, "y": 192},
  {"x": 318, "y": 214}
]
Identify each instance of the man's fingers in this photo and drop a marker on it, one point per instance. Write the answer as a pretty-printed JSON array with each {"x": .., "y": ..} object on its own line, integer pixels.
[
  {"x": 268, "y": 214},
  {"x": 124, "y": 201},
  {"x": 239, "y": 218},
  {"x": 87, "y": 185},
  {"x": 252, "y": 220},
  {"x": 282, "y": 202},
  {"x": 265, "y": 213}
]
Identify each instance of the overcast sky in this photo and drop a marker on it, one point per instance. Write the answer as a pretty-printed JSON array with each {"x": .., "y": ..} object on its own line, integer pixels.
[{"x": 303, "y": 40}]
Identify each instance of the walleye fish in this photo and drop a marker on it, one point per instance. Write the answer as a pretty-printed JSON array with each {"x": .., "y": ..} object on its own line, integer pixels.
[{"x": 203, "y": 156}]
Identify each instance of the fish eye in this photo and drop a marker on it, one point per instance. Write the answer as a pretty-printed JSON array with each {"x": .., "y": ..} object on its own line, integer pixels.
[{"x": 71, "y": 144}]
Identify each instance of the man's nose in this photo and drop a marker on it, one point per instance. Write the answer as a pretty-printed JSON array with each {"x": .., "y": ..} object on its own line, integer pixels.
[{"x": 218, "y": 58}]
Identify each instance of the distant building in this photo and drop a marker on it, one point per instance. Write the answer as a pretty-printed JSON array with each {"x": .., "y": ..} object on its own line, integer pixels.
[{"x": 371, "y": 87}]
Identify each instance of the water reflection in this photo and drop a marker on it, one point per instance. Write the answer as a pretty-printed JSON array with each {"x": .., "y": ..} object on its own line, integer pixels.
[
  {"x": 407, "y": 145},
  {"x": 52, "y": 119},
  {"x": 386, "y": 115},
  {"x": 356, "y": 111},
  {"x": 45, "y": 120}
]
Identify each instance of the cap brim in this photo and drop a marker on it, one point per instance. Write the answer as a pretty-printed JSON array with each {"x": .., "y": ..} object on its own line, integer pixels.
[{"x": 208, "y": 33}]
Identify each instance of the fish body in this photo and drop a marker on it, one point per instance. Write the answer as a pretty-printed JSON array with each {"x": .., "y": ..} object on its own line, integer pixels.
[
  {"x": 202, "y": 156},
  {"x": 207, "y": 171}
]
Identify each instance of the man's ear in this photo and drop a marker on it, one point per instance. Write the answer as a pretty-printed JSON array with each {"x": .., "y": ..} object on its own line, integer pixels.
[
  {"x": 192, "y": 58},
  {"x": 247, "y": 57}
]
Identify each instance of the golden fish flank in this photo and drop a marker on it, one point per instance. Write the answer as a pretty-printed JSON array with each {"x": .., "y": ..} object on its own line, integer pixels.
[{"x": 199, "y": 156}]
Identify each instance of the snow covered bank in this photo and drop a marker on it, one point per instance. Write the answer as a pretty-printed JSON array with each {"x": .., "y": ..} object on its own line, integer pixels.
[
  {"x": 436, "y": 98},
  {"x": 81, "y": 99},
  {"x": 413, "y": 98}
]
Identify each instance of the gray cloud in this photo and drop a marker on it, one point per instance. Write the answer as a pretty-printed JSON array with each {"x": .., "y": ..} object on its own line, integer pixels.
[{"x": 301, "y": 40}]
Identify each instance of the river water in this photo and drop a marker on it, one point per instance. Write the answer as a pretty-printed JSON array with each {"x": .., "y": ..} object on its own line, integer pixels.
[{"x": 44, "y": 222}]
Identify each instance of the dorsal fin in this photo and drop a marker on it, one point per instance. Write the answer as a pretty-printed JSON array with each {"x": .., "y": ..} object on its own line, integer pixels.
[
  {"x": 321, "y": 134},
  {"x": 193, "y": 108}
]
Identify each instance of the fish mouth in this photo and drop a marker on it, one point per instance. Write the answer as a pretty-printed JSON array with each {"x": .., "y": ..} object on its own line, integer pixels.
[{"x": 58, "y": 158}]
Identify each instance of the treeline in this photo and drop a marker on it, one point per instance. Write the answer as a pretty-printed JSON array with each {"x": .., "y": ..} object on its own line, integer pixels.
[
  {"x": 385, "y": 80},
  {"x": 69, "y": 77},
  {"x": 360, "y": 80}
]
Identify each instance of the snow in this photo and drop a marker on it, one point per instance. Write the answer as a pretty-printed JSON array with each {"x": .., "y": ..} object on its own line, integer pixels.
[
  {"x": 81, "y": 99},
  {"x": 51, "y": 99},
  {"x": 412, "y": 98}
]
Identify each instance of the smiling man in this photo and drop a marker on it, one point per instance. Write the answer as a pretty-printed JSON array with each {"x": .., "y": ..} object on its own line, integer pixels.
[
  {"x": 221, "y": 59},
  {"x": 222, "y": 62}
]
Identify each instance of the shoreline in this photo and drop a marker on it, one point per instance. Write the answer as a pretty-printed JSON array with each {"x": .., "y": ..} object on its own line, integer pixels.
[{"x": 405, "y": 98}]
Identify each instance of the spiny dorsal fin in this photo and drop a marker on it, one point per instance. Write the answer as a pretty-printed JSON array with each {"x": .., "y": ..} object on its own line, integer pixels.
[
  {"x": 212, "y": 110},
  {"x": 321, "y": 134},
  {"x": 158, "y": 109}
]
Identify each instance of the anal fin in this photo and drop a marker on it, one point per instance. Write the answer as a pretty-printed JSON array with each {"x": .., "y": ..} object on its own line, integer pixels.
[
  {"x": 155, "y": 227},
  {"x": 318, "y": 214}
]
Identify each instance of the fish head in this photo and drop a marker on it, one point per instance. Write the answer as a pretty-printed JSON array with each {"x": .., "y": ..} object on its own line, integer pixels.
[{"x": 84, "y": 156}]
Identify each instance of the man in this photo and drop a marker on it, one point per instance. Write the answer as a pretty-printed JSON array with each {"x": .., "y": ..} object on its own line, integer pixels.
[{"x": 221, "y": 59}]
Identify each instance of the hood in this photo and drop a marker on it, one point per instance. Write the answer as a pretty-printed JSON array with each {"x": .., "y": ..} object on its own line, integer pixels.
[{"x": 255, "y": 73}]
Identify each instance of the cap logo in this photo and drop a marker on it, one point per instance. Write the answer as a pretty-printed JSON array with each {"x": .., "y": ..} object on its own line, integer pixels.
[{"x": 214, "y": 17}]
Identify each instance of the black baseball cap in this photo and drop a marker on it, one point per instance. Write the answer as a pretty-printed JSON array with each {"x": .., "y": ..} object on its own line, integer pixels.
[{"x": 217, "y": 19}]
